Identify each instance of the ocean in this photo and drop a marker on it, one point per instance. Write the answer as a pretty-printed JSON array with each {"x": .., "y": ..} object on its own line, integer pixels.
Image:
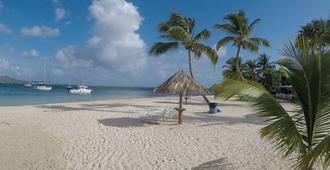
[{"x": 18, "y": 94}]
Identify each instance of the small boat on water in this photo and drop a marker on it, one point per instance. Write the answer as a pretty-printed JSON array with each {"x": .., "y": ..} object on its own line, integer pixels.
[
  {"x": 43, "y": 86},
  {"x": 79, "y": 90},
  {"x": 28, "y": 85}
]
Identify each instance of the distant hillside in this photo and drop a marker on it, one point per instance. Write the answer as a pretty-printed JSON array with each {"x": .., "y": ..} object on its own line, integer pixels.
[{"x": 7, "y": 79}]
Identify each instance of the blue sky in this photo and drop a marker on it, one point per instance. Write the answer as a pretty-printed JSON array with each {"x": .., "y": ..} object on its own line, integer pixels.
[{"x": 106, "y": 42}]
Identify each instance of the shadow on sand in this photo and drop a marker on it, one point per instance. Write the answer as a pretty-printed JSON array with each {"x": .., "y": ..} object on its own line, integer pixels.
[
  {"x": 218, "y": 164},
  {"x": 63, "y": 108},
  {"x": 204, "y": 118},
  {"x": 210, "y": 119},
  {"x": 123, "y": 122},
  {"x": 221, "y": 104},
  {"x": 96, "y": 107}
]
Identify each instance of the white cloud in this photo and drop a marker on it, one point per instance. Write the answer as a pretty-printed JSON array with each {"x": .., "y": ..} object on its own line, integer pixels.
[
  {"x": 4, "y": 29},
  {"x": 60, "y": 14},
  {"x": 70, "y": 58},
  {"x": 118, "y": 45},
  {"x": 114, "y": 45},
  {"x": 55, "y": 1},
  {"x": 40, "y": 31},
  {"x": 4, "y": 64},
  {"x": 94, "y": 40},
  {"x": 33, "y": 53}
]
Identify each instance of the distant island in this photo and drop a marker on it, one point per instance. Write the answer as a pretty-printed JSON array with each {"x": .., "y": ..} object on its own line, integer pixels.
[{"x": 10, "y": 80}]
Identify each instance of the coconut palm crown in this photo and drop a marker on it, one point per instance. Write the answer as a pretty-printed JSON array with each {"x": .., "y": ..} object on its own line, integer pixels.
[
  {"x": 239, "y": 32},
  {"x": 179, "y": 31}
]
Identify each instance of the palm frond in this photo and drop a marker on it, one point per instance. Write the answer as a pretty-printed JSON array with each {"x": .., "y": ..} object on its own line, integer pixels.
[
  {"x": 203, "y": 35},
  {"x": 282, "y": 131},
  {"x": 320, "y": 152},
  {"x": 208, "y": 51},
  {"x": 250, "y": 45},
  {"x": 253, "y": 24},
  {"x": 160, "y": 48},
  {"x": 163, "y": 27},
  {"x": 176, "y": 33},
  {"x": 260, "y": 41},
  {"x": 177, "y": 18},
  {"x": 231, "y": 29},
  {"x": 225, "y": 41}
]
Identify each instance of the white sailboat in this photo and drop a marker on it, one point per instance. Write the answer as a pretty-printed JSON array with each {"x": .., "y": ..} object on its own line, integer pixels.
[
  {"x": 43, "y": 86},
  {"x": 80, "y": 90}
]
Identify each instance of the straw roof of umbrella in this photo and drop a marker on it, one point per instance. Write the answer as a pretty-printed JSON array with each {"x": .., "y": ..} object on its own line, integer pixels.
[{"x": 180, "y": 83}]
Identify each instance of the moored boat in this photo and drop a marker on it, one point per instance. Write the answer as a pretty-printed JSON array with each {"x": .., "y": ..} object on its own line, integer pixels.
[
  {"x": 80, "y": 90},
  {"x": 42, "y": 86}
]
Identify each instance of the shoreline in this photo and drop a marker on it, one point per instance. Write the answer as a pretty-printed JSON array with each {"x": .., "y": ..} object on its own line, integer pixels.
[
  {"x": 82, "y": 101},
  {"x": 113, "y": 134}
]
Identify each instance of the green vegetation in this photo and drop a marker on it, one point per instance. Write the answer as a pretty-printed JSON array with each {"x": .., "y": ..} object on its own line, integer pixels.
[
  {"x": 316, "y": 33},
  {"x": 305, "y": 131},
  {"x": 179, "y": 30},
  {"x": 304, "y": 65},
  {"x": 259, "y": 70},
  {"x": 239, "y": 33}
]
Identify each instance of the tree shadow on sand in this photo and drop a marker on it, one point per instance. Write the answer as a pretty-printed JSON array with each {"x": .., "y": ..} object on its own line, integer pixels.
[
  {"x": 123, "y": 122},
  {"x": 220, "y": 104},
  {"x": 218, "y": 164},
  {"x": 210, "y": 119},
  {"x": 96, "y": 107}
]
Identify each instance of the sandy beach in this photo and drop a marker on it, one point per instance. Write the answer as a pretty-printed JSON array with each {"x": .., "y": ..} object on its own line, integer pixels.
[{"x": 113, "y": 135}]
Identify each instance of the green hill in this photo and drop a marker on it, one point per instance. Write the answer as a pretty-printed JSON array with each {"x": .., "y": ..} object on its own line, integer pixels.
[{"x": 7, "y": 79}]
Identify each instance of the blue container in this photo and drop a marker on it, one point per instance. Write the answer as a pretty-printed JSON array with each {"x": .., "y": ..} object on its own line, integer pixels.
[{"x": 213, "y": 108}]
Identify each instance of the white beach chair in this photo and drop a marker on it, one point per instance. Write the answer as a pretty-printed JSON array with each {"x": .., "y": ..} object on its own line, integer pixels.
[{"x": 168, "y": 113}]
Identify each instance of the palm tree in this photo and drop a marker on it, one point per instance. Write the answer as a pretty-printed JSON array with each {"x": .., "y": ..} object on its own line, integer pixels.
[
  {"x": 230, "y": 67},
  {"x": 315, "y": 33},
  {"x": 179, "y": 30},
  {"x": 307, "y": 130},
  {"x": 239, "y": 30},
  {"x": 250, "y": 70},
  {"x": 262, "y": 63}
]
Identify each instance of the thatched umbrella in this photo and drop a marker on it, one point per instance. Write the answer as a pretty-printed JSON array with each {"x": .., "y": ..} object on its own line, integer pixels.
[{"x": 179, "y": 84}]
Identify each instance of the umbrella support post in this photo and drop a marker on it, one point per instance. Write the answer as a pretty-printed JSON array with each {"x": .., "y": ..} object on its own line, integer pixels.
[{"x": 180, "y": 110}]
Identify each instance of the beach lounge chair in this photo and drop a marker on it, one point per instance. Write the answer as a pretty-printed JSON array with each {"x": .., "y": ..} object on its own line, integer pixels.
[{"x": 168, "y": 113}]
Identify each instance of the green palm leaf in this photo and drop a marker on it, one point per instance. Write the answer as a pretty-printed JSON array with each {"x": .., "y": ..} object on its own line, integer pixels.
[
  {"x": 203, "y": 35},
  {"x": 260, "y": 41},
  {"x": 224, "y": 41},
  {"x": 282, "y": 131},
  {"x": 208, "y": 51},
  {"x": 253, "y": 24},
  {"x": 305, "y": 131},
  {"x": 160, "y": 48}
]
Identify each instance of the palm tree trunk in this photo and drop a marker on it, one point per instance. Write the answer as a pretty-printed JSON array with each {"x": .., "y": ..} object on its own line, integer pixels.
[
  {"x": 190, "y": 66},
  {"x": 238, "y": 69},
  {"x": 192, "y": 76}
]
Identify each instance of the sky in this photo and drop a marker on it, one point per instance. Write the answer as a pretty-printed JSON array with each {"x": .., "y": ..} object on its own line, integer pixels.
[{"x": 106, "y": 42}]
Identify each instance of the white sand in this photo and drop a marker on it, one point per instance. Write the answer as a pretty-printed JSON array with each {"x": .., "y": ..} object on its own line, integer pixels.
[{"x": 113, "y": 135}]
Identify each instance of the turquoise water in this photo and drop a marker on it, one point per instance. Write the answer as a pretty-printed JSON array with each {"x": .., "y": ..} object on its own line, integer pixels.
[{"x": 18, "y": 94}]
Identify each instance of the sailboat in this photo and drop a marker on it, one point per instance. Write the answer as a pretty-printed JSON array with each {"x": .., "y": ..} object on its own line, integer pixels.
[
  {"x": 44, "y": 85},
  {"x": 80, "y": 90}
]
